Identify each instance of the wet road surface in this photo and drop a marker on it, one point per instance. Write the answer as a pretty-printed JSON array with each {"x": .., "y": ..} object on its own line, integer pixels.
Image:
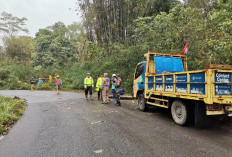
[{"x": 66, "y": 125}]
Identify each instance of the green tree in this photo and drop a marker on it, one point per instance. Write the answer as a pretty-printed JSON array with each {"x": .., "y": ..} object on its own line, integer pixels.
[
  {"x": 20, "y": 48},
  {"x": 11, "y": 25},
  {"x": 59, "y": 44},
  {"x": 205, "y": 5},
  {"x": 111, "y": 21}
]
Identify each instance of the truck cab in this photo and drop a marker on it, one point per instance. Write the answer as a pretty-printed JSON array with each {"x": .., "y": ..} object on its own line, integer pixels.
[
  {"x": 162, "y": 63},
  {"x": 139, "y": 79}
]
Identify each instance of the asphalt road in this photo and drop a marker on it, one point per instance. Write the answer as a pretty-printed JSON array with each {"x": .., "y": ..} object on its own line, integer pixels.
[{"x": 66, "y": 125}]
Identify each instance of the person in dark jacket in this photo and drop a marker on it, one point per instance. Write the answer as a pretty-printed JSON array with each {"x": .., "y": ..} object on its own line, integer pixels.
[
  {"x": 117, "y": 89},
  {"x": 32, "y": 81}
]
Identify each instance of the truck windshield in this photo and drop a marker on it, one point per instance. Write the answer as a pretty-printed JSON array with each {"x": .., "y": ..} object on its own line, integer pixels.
[{"x": 139, "y": 70}]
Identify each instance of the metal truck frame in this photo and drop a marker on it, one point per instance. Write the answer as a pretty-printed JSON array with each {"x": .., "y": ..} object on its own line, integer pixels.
[{"x": 189, "y": 94}]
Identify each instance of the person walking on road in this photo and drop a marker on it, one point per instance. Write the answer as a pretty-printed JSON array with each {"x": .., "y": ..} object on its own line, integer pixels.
[
  {"x": 113, "y": 82},
  {"x": 88, "y": 85},
  {"x": 58, "y": 83},
  {"x": 98, "y": 87},
  {"x": 32, "y": 81},
  {"x": 105, "y": 88},
  {"x": 117, "y": 89},
  {"x": 40, "y": 81},
  {"x": 50, "y": 78}
]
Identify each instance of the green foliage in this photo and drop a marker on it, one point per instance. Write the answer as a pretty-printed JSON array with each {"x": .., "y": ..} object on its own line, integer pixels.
[
  {"x": 57, "y": 44},
  {"x": 121, "y": 59},
  {"x": 46, "y": 86},
  {"x": 209, "y": 41},
  {"x": 14, "y": 74},
  {"x": 209, "y": 38},
  {"x": 111, "y": 21},
  {"x": 11, "y": 25},
  {"x": 114, "y": 37},
  {"x": 10, "y": 111},
  {"x": 20, "y": 48}
]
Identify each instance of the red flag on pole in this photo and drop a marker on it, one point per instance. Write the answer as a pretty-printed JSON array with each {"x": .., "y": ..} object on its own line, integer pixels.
[{"x": 184, "y": 52}]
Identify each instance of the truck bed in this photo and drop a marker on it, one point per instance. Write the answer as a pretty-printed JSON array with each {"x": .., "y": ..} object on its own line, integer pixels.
[{"x": 212, "y": 86}]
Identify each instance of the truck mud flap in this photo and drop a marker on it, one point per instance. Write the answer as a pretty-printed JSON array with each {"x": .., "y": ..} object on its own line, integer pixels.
[{"x": 201, "y": 119}]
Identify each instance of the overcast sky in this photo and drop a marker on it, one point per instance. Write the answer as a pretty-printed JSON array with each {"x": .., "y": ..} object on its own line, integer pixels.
[{"x": 41, "y": 13}]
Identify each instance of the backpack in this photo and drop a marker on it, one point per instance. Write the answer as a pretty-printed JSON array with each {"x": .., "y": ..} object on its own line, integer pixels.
[{"x": 122, "y": 91}]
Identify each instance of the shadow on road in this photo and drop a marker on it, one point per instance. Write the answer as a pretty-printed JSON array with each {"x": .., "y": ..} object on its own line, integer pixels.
[{"x": 220, "y": 124}]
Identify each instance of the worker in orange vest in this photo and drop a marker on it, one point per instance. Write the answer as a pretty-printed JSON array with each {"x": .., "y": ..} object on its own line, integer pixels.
[{"x": 58, "y": 83}]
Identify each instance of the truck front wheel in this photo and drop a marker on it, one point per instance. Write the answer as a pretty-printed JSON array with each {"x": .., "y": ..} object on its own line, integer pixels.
[
  {"x": 180, "y": 112},
  {"x": 142, "y": 103}
]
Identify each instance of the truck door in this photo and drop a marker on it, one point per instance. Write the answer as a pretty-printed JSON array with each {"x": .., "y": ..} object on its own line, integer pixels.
[{"x": 139, "y": 78}]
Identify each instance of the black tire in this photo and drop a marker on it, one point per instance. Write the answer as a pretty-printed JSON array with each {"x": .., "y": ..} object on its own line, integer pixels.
[
  {"x": 142, "y": 103},
  {"x": 180, "y": 113}
]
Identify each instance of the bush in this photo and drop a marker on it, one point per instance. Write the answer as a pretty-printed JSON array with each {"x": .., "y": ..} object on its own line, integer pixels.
[
  {"x": 10, "y": 111},
  {"x": 4, "y": 74},
  {"x": 45, "y": 86}
]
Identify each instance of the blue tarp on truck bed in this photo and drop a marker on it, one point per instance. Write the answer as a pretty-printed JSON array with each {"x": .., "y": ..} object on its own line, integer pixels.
[{"x": 164, "y": 64}]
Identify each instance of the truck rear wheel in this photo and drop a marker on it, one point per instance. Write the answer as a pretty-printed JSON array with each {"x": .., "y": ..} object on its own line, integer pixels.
[
  {"x": 180, "y": 112},
  {"x": 142, "y": 103}
]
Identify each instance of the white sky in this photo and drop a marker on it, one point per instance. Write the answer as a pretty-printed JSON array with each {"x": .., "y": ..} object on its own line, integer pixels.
[{"x": 42, "y": 13}]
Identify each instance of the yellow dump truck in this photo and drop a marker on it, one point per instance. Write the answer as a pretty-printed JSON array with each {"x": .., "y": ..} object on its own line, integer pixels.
[{"x": 164, "y": 81}]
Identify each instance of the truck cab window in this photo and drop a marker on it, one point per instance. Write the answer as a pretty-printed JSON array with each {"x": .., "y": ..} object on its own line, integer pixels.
[{"x": 139, "y": 70}]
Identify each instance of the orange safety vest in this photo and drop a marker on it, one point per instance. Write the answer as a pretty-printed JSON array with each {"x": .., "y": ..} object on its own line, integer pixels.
[
  {"x": 58, "y": 81},
  {"x": 118, "y": 82}
]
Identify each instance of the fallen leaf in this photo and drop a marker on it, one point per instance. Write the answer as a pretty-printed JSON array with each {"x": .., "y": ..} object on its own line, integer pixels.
[
  {"x": 98, "y": 151},
  {"x": 96, "y": 122}
]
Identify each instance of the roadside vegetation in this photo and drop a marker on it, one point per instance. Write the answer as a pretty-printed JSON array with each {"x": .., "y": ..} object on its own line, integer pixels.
[
  {"x": 113, "y": 37},
  {"x": 10, "y": 111}
]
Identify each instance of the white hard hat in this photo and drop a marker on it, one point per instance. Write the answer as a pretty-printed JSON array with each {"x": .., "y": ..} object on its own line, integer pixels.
[{"x": 113, "y": 75}]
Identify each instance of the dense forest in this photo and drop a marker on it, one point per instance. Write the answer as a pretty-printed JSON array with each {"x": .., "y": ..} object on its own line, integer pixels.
[{"x": 113, "y": 37}]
